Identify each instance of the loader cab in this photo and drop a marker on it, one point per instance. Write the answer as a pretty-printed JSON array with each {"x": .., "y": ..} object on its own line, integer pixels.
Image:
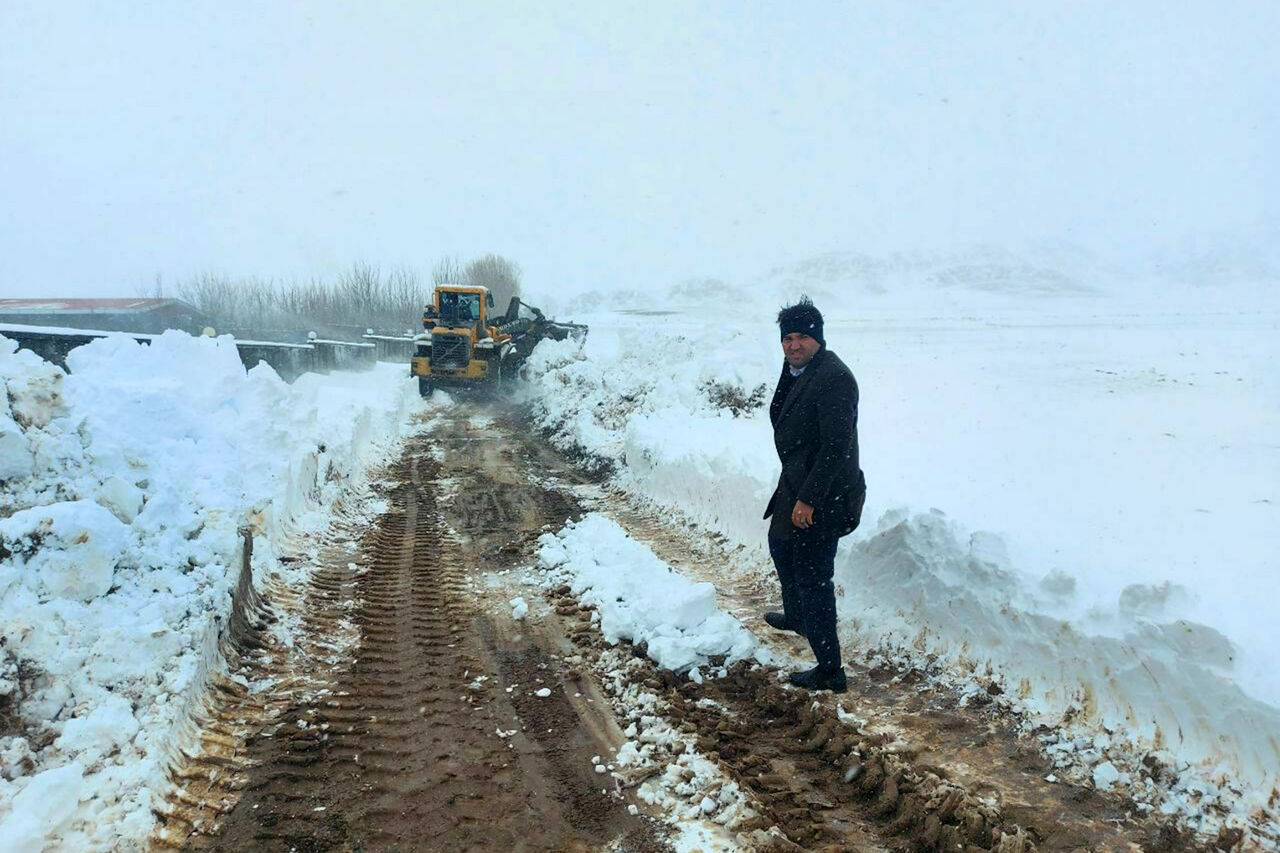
[{"x": 463, "y": 307}]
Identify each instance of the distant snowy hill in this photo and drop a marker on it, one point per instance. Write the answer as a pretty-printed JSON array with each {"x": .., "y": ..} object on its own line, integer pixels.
[
  {"x": 984, "y": 269},
  {"x": 1252, "y": 258},
  {"x": 1203, "y": 272}
]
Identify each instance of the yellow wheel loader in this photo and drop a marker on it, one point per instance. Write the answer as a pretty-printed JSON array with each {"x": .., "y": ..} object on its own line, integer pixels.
[{"x": 464, "y": 344}]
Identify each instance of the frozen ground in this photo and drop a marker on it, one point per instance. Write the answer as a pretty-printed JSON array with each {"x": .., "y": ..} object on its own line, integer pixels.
[
  {"x": 1074, "y": 491},
  {"x": 124, "y": 484}
]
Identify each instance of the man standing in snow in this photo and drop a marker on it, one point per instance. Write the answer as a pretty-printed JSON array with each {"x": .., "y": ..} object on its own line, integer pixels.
[{"x": 821, "y": 491}]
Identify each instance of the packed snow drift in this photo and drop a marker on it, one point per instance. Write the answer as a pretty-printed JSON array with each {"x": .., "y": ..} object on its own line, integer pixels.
[
  {"x": 125, "y": 482},
  {"x": 639, "y": 598},
  {"x": 1074, "y": 495}
]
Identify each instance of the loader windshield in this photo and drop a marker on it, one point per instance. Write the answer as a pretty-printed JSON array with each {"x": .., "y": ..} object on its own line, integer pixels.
[{"x": 459, "y": 309}]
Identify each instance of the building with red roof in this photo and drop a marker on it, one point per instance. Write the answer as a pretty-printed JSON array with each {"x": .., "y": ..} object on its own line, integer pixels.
[{"x": 150, "y": 316}]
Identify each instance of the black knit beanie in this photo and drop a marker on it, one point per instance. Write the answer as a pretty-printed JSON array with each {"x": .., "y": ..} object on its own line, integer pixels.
[{"x": 804, "y": 318}]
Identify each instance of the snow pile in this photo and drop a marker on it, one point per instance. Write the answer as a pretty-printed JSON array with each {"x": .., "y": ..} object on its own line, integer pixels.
[
  {"x": 637, "y": 597},
  {"x": 124, "y": 485},
  {"x": 1138, "y": 677},
  {"x": 641, "y": 599},
  {"x": 614, "y": 402},
  {"x": 43, "y": 807},
  {"x": 1121, "y": 465},
  {"x": 664, "y": 764},
  {"x": 68, "y": 550}
]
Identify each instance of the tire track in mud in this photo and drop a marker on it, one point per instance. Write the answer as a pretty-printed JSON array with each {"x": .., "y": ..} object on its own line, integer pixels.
[
  {"x": 927, "y": 772},
  {"x": 393, "y": 743},
  {"x": 815, "y": 782},
  {"x": 210, "y": 776}
]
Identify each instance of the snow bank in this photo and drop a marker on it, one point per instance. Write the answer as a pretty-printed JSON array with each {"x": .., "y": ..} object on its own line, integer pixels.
[
  {"x": 1128, "y": 591},
  {"x": 640, "y": 598},
  {"x": 629, "y": 381},
  {"x": 124, "y": 485},
  {"x": 1151, "y": 684}
]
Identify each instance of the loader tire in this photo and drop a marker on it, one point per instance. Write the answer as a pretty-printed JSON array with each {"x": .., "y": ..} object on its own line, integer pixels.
[{"x": 424, "y": 386}]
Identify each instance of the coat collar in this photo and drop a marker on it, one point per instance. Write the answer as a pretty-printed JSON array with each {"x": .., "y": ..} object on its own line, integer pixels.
[{"x": 800, "y": 382}]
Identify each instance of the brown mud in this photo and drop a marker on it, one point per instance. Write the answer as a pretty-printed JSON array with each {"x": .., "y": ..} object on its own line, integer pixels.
[
  {"x": 405, "y": 714},
  {"x": 408, "y": 740}
]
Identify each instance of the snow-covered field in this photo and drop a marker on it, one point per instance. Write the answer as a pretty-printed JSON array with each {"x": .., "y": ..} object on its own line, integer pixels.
[
  {"x": 1074, "y": 493},
  {"x": 124, "y": 484}
]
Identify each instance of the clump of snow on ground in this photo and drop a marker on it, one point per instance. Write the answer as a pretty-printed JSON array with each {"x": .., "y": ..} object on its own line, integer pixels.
[
  {"x": 65, "y": 550},
  {"x": 1107, "y": 552},
  {"x": 639, "y": 598},
  {"x": 125, "y": 482},
  {"x": 664, "y": 765}
]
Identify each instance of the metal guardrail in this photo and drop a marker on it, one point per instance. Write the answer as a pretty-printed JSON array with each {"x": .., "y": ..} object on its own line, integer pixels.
[{"x": 396, "y": 348}]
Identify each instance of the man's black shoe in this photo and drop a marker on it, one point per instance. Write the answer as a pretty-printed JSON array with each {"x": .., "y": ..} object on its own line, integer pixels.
[
  {"x": 816, "y": 679},
  {"x": 777, "y": 620}
]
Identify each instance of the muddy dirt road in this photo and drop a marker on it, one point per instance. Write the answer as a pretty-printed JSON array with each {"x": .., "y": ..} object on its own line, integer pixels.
[{"x": 408, "y": 710}]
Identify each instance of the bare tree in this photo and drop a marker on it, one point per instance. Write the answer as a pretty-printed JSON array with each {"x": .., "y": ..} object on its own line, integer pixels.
[
  {"x": 405, "y": 289},
  {"x": 501, "y": 275},
  {"x": 448, "y": 270},
  {"x": 362, "y": 296},
  {"x": 358, "y": 287},
  {"x": 154, "y": 290}
]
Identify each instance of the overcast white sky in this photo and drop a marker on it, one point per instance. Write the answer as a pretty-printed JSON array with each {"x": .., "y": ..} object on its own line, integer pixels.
[{"x": 626, "y": 143}]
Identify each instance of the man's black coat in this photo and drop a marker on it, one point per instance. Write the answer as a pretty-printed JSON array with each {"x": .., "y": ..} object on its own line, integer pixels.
[{"x": 815, "y": 430}]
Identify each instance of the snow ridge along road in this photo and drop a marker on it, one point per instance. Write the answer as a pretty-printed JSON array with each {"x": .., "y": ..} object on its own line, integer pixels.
[
  {"x": 125, "y": 484},
  {"x": 444, "y": 694}
]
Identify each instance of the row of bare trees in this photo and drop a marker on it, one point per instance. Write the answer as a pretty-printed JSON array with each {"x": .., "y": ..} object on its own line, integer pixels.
[
  {"x": 501, "y": 275},
  {"x": 362, "y": 296}
]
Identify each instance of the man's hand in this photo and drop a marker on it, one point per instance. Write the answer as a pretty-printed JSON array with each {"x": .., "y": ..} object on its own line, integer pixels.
[{"x": 802, "y": 515}]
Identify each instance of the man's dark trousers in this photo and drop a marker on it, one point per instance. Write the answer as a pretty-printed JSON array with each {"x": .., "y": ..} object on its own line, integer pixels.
[{"x": 805, "y": 571}]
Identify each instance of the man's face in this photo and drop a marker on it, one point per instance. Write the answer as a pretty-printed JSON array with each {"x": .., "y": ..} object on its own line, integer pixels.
[{"x": 799, "y": 349}]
